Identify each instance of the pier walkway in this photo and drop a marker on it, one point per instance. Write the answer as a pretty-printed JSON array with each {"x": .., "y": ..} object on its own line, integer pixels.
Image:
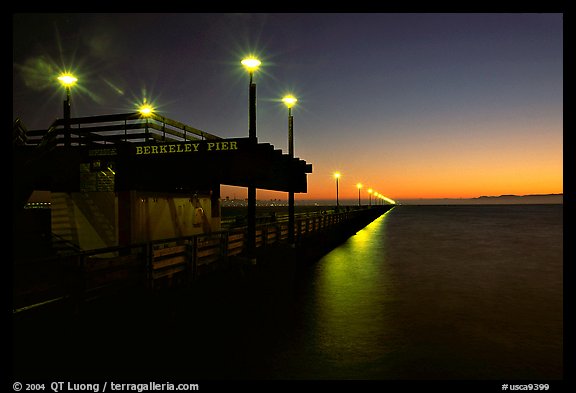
[{"x": 74, "y": 279}]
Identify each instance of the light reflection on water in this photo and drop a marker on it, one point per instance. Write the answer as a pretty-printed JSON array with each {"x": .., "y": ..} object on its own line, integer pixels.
[
  {"x": 436, "y": 292},
  {"x": 349, "y": 291}
]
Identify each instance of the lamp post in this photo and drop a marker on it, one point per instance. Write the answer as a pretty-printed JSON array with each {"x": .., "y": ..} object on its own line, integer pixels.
[
  {"x": 251, "y": 64},
  {"x": 67, "y": 80},
  {"x": 370, "y": 197},
  {"x": 290, "y": 101},
  {"x": 146, "y": 111},
  {"x": 359, "y": 185},
  {"x": 337, "y": 176}
]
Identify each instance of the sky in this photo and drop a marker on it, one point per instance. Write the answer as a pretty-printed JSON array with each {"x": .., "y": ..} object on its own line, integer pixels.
[{"x": 412, "y": 105}]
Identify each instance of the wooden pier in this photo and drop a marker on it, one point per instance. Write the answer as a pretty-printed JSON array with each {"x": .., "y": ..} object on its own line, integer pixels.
[{"x": 79, "y": 277}]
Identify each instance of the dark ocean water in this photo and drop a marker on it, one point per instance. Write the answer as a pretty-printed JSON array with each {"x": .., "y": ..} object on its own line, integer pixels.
[
  {"x": 456, "y": 292},
  {"x": 437, "y": 292}
]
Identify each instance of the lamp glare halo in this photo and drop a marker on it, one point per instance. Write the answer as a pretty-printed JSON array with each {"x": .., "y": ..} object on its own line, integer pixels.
[
  {"x": 67, "y": 79},
  {"x": 251, "y": 63},
  {"x": 290, "y": 101},
  {"x": 146, "y": 110}
]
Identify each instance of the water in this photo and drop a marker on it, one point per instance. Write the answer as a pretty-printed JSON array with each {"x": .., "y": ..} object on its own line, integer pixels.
[
  {"x": 438, "y": 292},
  {"x": 423, "y": 292}
]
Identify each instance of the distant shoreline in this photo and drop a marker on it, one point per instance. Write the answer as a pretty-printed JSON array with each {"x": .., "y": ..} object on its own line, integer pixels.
[
  {"x": 538, "y": 199},
  {"x": 543, "y": 199}
]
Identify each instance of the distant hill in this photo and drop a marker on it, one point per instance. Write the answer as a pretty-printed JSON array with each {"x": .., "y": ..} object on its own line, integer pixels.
[
  {"x": 533, "y": 198},
  {"x": 536, "y": 199}
]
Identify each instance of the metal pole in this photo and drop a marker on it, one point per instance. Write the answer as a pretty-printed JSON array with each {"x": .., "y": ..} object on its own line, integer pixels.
[
  {"x": 67, "y": 136},
  {"x": 290, "y": 193},
  {"x": 337, "y": 202},
  {"x": 358, "y": 196},
  {"x": 290, "y": 133},
  {"x": 252, "y": 110},
  {"x": 251, "y": 188}
]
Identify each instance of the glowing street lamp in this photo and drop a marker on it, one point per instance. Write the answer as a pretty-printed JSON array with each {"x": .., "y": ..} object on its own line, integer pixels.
[
  {"x": 251, "y": 64},
  {"x": 370, "y": 197},
  {"x": 67, "y": 80},
  {"x": 359, "y": 185},
  {"x": 146, "y": 110},
  {"x": 337, "y": 176},
  {"x": 290, "y": 101}
]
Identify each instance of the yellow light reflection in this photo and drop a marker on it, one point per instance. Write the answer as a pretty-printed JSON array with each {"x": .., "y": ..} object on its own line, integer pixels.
[{"x": 354, "y": 283}]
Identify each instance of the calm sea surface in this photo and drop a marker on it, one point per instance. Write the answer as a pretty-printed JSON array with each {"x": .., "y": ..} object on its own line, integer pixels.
[
  {"x": 423, "y": 292},
  {"x": 449, "y": 292}
]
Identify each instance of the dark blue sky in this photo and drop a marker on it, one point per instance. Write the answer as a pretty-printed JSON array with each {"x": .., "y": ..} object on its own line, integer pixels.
[{"x": 414, "y": 105}]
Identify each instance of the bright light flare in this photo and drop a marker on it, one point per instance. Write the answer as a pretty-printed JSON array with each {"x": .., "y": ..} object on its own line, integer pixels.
[
  {"x": 337, "y": 175},
  {"x": 146, "y": 109},
  {"x": 289, "y": 100},
  {"x": 251, "y": 63},
  {"x": 359, "y": 185},
  {"x": 67, "y": 79}
]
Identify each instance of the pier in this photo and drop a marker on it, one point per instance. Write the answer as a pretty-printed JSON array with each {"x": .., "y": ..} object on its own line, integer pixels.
[
  {"x": 76, "y": 277},
  {"x": 136, "y": 207}
]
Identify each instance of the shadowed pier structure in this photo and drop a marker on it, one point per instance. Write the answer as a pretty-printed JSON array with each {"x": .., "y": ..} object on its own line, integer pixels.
[
  {"x": 134, "y": 158},
  {"x": 135, "y": 204}
]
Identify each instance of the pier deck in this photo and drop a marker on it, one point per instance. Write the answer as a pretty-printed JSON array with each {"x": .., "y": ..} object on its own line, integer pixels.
[{"x": 78, "y": 278}]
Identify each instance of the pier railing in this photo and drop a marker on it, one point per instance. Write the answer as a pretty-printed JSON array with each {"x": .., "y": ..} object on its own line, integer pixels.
[{"x": 86, "y": 275}]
